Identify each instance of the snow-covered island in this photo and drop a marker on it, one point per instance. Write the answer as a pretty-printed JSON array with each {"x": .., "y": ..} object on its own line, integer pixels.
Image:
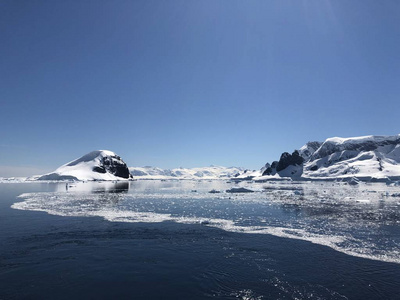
[
  {"x": 97, "y": 165},
  {"x": 104, "y": 165},
  {"x": 366, "y": 158}
]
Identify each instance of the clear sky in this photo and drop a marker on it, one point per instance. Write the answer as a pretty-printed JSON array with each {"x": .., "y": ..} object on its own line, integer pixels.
[{"x": 192, "y": 83}]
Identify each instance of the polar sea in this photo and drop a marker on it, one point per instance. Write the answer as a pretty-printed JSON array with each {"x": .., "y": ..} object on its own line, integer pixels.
[{"x": 187, "y": 239}]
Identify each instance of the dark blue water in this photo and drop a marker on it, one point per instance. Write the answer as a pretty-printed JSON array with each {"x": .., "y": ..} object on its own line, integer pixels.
[{"x": 152, "y": 240}]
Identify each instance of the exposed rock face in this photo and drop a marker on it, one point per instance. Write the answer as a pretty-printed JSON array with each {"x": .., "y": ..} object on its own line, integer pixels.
[
  {"x": 289, "y": 160},
  {"x": 115, "y": 165},
  {"x": 266, "y": 170},
  {"x": 270, "y": 169}
]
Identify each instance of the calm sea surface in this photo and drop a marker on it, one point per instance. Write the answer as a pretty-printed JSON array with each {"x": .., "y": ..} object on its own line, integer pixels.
[{"x": 176, "y": 240}]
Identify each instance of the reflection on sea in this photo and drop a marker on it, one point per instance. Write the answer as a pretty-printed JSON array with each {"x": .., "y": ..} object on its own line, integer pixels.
[{"x": 92, "y": 187}]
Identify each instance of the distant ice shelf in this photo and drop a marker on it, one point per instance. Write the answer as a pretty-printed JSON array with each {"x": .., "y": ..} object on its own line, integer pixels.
[{"x": 201, "y": 173}]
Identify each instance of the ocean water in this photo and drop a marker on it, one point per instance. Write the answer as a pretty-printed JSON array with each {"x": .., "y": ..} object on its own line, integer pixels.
[{"x": 176, "y": 240}]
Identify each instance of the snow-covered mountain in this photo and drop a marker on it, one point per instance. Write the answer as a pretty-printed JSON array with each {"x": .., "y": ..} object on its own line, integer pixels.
[
  {"x": 96, "y": 165},
  {"x": 212, "y": 172},
  {"x": 366, "y": 158}
]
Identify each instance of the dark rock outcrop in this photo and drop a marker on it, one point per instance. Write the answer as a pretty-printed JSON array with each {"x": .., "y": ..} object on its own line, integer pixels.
[
  {"x": 116, "y": 166},
  {"x": 270, "y": 169},
  {"x": 289, "y": 159}
]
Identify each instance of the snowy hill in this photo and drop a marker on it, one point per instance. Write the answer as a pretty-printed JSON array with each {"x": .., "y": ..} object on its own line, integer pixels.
[
  {"x": 96, "y": 165},
  {"x": 212, "y": 172},
  {"x": 366, "y": 158}
]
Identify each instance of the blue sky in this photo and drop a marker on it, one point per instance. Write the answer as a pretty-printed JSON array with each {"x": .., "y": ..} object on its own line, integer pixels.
[{"x": 192, "y": 83}]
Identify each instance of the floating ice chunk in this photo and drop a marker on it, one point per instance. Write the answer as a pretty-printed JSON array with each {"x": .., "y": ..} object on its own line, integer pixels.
[
  {"x": 214, "y": 192},
  {"x": 363, "y": 201},
  {"x": 354, "y": 181},
  {"x": 239, "y": 190},
  {"x": 393, "y": 183}
]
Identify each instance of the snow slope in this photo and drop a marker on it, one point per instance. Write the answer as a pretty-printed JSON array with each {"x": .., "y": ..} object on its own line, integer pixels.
[
  {"x": 366, "y": 158},
  {"x": 212, "y": 172},
  {"x": 250, "y": 174},
  {"x": 96, "y": 165}
]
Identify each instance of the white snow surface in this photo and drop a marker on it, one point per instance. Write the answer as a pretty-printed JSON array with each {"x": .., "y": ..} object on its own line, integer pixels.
[
  {"x": 206, "y": 173},
  {"x": 308, "y": 149},
  {"x": 362, "y": 139},
  {"x": 249, "y": 175},
  {"x": 82, "y": 169},
  {"x": 366, "y": 157}
]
